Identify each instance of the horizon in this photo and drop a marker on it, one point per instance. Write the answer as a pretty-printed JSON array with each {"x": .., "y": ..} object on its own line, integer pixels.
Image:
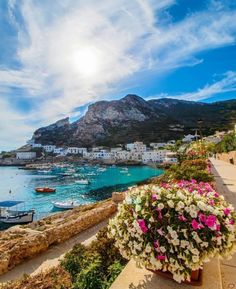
[{"x": 56, "y": 58}]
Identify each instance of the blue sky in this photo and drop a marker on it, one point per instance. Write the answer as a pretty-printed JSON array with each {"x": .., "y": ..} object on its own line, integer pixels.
[{"x": 57, "y": 56}]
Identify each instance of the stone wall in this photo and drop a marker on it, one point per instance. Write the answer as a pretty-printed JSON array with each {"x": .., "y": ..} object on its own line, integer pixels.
[
  {"x": 227, "y": 157},
  {"x": 23, "y": 242}
]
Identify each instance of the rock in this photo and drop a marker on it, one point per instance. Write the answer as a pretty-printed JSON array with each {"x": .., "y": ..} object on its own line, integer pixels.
[{"x": 132, "y": 118}]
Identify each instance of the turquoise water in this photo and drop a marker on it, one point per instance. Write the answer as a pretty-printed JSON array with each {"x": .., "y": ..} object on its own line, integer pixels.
[{"x": 103, "y": 181}]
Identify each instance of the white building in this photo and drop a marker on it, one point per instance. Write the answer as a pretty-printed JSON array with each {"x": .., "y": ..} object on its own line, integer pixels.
[
  {"x": 25, "y": 155},
  {"x": 189, "y": 138},
  {"x": 123, "y": 155},
  {"x": 114, "y": 150},
  {"x": 49, "y": 148},
  {"x": 212, "y": 138},
  {"x": 136, "y": 146},
  {"x": 155, "y": 156},
  {"x": 170, "y": 158},
  {"x": 157, "y": 145},
  {"x": 58, "y": 151}
]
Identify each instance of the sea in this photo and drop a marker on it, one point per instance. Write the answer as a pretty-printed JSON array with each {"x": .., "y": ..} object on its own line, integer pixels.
[{"x": 19, "y": 184}]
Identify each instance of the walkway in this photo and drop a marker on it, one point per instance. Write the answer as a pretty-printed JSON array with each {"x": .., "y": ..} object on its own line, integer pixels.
[
  {"x": 52, "y": 257},
  {"x": 225, "y": 177}
]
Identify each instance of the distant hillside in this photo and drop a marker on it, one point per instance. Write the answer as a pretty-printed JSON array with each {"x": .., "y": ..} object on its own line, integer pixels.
[{"x": 132, "y": 118}]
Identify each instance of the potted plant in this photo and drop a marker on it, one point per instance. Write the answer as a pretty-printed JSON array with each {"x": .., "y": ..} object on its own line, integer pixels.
[{"x": 174, "y": 228}]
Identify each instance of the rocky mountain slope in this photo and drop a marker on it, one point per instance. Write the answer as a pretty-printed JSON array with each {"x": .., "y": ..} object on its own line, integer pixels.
[{"x": 132, "y": 118}]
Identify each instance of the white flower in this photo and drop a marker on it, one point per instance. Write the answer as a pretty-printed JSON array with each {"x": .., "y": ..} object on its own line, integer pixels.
[
  {"x": 160, "y": 206},
  {"x": 171, "y": 204},
  {"x": 175, "y": 242},
  {"x": 163, "y": 249},
  {"x": 151, "y": 219},
  {"x": 195, "y": 259}
]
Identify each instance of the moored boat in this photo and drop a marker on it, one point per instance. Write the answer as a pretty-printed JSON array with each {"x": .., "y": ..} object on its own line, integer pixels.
[
  {"x": 82, "y": 182},
  {"x": 45, "y": 190},
  {"x": 66, "y": 205},
  {"x": 10, "y": 216}
]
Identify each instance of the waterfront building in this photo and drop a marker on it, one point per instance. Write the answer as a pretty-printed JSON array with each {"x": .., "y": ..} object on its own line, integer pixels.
[
  {"x": 76, "y": 150},
  {"x": 123, "y": 155},
  {"x": 25, "y": 154},
  {"x": 114, "y": 150},
  {"x": 170, "y": 158},
  {"x": 157, "y": 145},
  {"x": 49, "y": 148},
  {"x": 154, "y": 156},
  {"x": 136, "y": 146}
]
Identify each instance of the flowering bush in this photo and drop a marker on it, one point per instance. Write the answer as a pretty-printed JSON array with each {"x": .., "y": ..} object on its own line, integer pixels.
[{"x": 174, "y": 227}]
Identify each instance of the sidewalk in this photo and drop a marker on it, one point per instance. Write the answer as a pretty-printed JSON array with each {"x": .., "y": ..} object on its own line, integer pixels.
[{"x": 225, "y": 178}]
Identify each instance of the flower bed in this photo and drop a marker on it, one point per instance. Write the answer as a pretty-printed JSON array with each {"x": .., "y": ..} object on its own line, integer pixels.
[{"x": 174, "y": 227}]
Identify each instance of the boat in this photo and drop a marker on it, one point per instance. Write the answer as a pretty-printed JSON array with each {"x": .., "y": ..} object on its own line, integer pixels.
[
  {"x": 45, "y": 190},
  {"x": 102, "y": 169},
  {"x": 66, "y": 174},
  {"x": 82, "y": 182},
  {"x": 66, "y": 205},
  {"x": 10, "y": 216},
  {"x": 44, "y": 171}
]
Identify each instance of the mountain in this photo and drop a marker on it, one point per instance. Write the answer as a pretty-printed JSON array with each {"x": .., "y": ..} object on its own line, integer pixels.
[{"x": 133, "y": 118}]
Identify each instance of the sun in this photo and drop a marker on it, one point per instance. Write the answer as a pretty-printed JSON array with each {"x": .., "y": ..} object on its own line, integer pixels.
[{"x": 86, "y": 61}]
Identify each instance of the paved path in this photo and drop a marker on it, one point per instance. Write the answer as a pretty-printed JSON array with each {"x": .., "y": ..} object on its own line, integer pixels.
[
  {"x": 225, "y": 176},
  {"x": 53, "y": 255}
]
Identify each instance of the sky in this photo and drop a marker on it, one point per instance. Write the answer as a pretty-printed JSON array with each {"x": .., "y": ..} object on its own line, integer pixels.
[{"x": 57, "y": 56}]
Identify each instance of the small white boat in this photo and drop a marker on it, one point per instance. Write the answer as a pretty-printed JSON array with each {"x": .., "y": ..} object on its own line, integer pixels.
[
  {"x": 82, "y": 182},
  {"x": 44, "y": 171},
  {"x": 9, "y": 216},
  {"x": 91, "y": 174},
  {"x": 102, "y": 169},
  {"x": 66, "y": 205}
]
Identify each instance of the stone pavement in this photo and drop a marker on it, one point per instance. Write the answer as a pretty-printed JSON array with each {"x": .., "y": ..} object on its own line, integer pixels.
[
  {"x": 135, "y": 278},
  {"x": 225, "y": 178}
]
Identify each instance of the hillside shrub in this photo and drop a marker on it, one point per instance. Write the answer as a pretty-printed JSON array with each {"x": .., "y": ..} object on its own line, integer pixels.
[
  {"x": 227, "y": 144},
  {"x": 95, "y": 266}
]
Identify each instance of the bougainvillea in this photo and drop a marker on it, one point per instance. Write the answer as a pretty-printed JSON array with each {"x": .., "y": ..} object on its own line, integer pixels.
[{"x": 174, "y": 227}]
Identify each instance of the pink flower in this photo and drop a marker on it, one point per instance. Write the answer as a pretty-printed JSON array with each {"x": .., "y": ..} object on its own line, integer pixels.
[
  {"x": 216, "y": 195},
  {"x": 157, "y": 245},
  {"x": 182, "y": 218},
  {"x": 160, "y": 232},
  {"x": 159, "y": 214},
  {"x": 210, "y": 221},
  {"x": 211, "y": 202},
  {"x": 202, "y": 218},
  {"x": 154, "y": 197},
  {"x": 217, "y": 227},
  {"x": 161, "y": 257},
  {"x": 142, "y": 225},
  {"x": 195, "y": 225},
  {"x": 231, "y": 221},
  {"x": 227, "y": 211}
]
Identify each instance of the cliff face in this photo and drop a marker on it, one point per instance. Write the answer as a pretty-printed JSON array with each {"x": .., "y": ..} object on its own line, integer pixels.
[{"x": 132, "y": 118}]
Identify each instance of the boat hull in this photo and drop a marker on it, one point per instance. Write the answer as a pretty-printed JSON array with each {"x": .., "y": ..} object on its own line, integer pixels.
[{"x": 18, "y": 218}]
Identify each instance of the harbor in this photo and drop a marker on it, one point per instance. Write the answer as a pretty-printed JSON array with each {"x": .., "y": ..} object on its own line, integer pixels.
[{"x": 78, "y": 184}]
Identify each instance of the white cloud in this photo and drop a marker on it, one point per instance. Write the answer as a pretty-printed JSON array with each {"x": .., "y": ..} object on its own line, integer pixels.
[
  {"x": 226, "y": 84},
  {"x": 127, "y": 38}
]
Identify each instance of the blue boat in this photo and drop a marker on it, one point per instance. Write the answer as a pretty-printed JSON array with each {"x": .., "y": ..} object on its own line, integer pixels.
[{"x": 14, "y": 216}]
